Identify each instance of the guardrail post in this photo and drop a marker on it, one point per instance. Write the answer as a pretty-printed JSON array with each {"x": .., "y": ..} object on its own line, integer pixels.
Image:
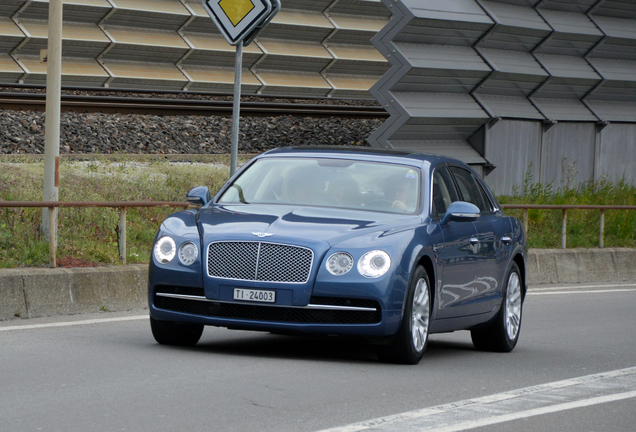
[
  {"x": 525, "y": 221},
  {"x": 564, "y": 228},
  {"x": 601, "y": 233},
  {"x": 52, "y": 238},
  {"x": 122, "y": 234}
]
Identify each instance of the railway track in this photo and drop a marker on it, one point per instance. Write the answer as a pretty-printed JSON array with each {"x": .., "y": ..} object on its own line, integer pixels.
[{"x": 161, "y": 106}]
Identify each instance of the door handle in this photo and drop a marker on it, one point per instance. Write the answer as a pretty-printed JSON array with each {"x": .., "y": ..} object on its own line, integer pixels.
[{"x": 506, "y": 240}]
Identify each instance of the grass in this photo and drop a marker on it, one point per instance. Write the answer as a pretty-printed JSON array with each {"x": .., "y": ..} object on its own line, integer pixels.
[
  {"x": 544, "y": 226},
  {"x": 89, "y": 236}
]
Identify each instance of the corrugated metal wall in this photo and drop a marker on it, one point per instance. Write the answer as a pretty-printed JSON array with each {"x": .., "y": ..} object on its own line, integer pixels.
[
  {"x": 545, "y": 87},
  {"x": 311, "y": 48}
]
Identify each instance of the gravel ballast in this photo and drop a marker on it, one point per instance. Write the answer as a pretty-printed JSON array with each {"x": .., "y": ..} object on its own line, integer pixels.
[{"x": 22, "y": 132}]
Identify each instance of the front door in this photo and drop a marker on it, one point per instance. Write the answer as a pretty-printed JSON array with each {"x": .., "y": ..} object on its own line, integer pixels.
[{"x": 458, "y": 254}]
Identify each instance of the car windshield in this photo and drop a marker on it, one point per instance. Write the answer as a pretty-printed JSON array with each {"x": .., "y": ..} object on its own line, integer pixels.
[{"x": 322, "y": 182}]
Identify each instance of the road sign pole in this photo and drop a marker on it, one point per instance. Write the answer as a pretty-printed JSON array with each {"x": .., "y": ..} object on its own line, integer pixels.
[
  {"x": 240, "y": 22},
  {"x": 236, "y": 111}
]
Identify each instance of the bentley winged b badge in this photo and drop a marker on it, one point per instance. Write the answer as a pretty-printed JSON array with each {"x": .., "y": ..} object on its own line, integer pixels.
[{"x": 261, "y": 235}]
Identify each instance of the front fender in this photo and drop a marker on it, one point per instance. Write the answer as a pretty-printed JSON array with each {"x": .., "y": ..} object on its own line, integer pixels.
[{"x": 181, "y": 227}]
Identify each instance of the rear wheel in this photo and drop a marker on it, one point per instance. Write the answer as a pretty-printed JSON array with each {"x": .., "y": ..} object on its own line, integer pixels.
[
  {"x": 174, "y": 333},
  {"x": 502, "y": 335},
  {"x": 409, "y": 344}
]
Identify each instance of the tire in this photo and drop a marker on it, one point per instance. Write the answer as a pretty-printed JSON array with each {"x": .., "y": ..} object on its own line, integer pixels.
[
  {"x": 174, "y": 333},
  {"x": 409, "y": 343},
  {"x": 502, "y": 335}
]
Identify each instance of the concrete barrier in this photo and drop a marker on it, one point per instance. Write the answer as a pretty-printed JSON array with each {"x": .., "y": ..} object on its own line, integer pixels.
[
  {"x": 39, "y": 292},
  {"x": 550, "y": 266}
]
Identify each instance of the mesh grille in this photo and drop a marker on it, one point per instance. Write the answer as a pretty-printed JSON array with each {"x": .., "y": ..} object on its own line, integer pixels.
[
  {"x": 259, "y": 261},
  {"x": 233, "y": 260}
]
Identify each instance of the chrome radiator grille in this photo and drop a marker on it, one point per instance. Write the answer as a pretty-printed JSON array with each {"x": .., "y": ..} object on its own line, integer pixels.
[{"x": 259, "y": 261}]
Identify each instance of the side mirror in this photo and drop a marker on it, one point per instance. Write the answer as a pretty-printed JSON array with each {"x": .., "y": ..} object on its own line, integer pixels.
[
  {"x": 461, "y": 211},
  {"x": 199, "y": 196}
]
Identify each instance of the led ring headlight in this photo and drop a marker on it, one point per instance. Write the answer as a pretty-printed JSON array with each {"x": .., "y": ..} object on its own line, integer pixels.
[
  {"x": 374, "y": 264},
  {"x": 165, "y": 250}
]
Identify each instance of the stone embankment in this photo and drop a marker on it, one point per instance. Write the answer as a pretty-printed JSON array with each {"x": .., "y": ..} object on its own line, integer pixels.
[{"x": 22, "y": 132}]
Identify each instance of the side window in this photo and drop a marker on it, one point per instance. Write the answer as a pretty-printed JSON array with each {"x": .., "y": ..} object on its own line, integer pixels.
[
  {"x": 443, "y": 192},
  {"x": 470, "y": 190}
]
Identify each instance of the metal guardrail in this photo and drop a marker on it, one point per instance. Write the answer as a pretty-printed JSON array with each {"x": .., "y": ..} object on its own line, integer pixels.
[
  {"x": 121, "y": 205},
  {"x": 564, "y": 208}
]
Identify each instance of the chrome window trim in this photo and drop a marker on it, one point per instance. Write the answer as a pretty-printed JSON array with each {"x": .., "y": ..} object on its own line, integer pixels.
[{"x": 207, "y": 258}]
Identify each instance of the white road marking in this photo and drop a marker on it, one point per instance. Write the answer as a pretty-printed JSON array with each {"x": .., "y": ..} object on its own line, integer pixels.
[
  {"x": 602, "y": 291},
  {"x": 74, "y": 323},
  {"x": 534, "y": 412},
  {"x": 508, "y": 406},
  {"x": 576, "y": 287},
  {"x": 583, "y": 289}
]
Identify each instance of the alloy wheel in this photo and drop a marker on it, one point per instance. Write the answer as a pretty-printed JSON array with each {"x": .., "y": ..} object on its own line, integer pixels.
[
  {"x": 513, "y": 306},
  {"x": 420, "y": 314}
]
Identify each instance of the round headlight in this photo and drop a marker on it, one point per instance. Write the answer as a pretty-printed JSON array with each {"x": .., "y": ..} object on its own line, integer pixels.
[
  {"x": 374, "y": 264},
  {"x": 188, "y": 253},
  {"x": 339, "y": 263},
  {"x": 165, "y": 250}
]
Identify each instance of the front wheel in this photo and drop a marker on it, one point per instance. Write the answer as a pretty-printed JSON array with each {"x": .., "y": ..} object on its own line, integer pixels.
[
  {"x": 502, "y": 335},
  {"x": 174, "y": 333},
  {"x": 409, "y": 344}
]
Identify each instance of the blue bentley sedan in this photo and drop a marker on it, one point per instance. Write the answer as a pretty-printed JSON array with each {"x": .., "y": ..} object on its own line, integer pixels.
[{"x": 385, "y": 245}]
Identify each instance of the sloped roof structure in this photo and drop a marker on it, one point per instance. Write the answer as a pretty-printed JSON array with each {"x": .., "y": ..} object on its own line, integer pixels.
[
  {"x": 459, "y": 66},
  {"x": 311, "y": 48}
]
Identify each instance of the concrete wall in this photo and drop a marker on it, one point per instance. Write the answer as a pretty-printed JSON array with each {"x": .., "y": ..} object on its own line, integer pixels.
[
  {"x": 554, "y": 266},
  {"x": 38, "y": 292}
]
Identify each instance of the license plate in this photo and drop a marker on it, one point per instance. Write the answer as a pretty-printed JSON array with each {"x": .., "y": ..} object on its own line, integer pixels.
[{"x": 255, "y": 295}]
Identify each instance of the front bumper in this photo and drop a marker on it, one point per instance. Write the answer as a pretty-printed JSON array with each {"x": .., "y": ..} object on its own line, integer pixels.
[{"x": 330, "y": 315}]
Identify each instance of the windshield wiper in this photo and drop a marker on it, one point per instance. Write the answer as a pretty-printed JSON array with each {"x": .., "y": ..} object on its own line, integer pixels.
[{"x": 240, "y": 194}]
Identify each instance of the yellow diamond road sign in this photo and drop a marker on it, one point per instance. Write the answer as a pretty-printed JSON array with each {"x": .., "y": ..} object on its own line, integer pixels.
[
  {"x": 237, "y": 18},
  {"x": 236, "y": 11}
]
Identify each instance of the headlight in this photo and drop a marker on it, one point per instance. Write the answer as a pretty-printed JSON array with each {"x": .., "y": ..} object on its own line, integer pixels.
[
  {"x": 339, "y": 263},
  {"x": 188, "y": 253},
  {"x": 165, "y": 250},
  {"x": 374, "y": 264}
]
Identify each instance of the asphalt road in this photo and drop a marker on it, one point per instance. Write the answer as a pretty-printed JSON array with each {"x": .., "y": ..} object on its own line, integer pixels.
[{"x": 573, "y": 370}]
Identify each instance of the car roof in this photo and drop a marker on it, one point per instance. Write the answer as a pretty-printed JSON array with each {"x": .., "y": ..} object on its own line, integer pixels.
[{"x": 368, "y": 153}]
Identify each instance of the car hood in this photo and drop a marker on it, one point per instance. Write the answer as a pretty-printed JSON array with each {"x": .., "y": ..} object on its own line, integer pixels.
[{"x": 295, "y": 225}]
